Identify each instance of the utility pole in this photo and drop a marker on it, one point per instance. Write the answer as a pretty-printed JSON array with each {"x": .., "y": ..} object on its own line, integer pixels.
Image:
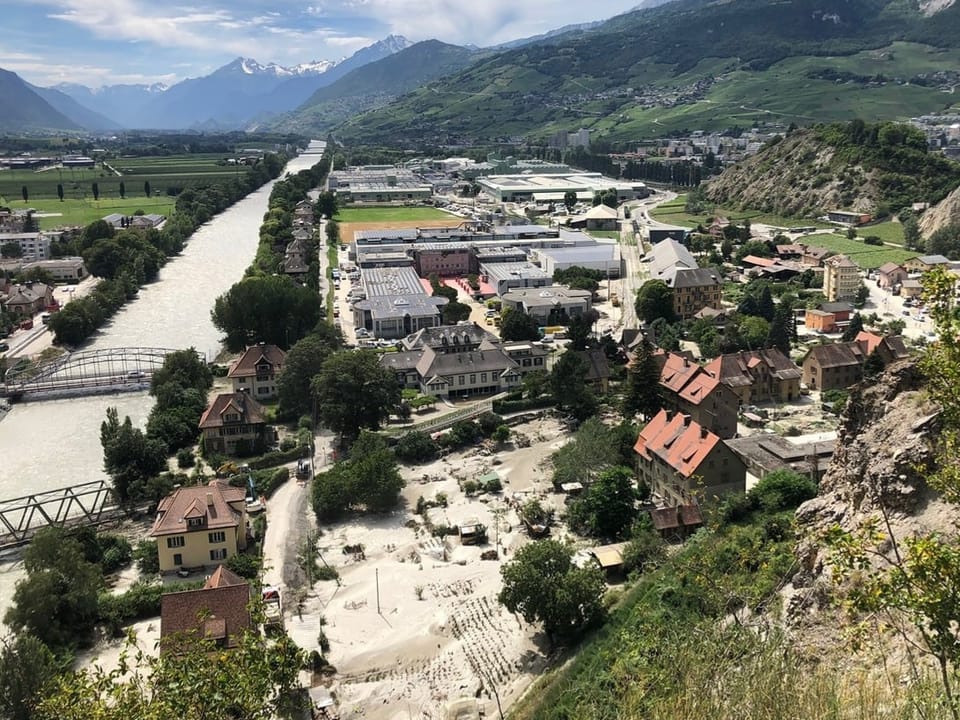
[{"x": 377, "y": 572}]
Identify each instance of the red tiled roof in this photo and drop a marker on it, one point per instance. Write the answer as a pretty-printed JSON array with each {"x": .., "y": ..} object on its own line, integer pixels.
[
  {"x": 677, "y": 371},
  {"x": 677, "y": 440},
  {"x": 222, "y": 577},
  {"x": 250, "y": 411},
  {"x": 205, "y": 501},
  {"x": 699, "y": 387},
  {"x": 868, "y": 340},
  {"x": 219, "y": 613},
  {"x": 246, "y": 364},
  {"x": 761, "y": 261}
]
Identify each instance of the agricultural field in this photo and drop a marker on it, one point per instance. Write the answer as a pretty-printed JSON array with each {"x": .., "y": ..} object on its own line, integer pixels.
[
  {"x": 52, "y": 214},
  {"x": 392, "y": 214},
  {"x": 866, "y": 256},
  {"x": 166, "y": 176},
  {"x": 673, "y": 213}
]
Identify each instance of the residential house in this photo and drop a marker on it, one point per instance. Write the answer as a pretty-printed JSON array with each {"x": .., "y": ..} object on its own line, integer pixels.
[
  {"x": 695, "y": 289},
  {"x": 758, "y": 376},
  {"x": 449, "y": 338},
  {"x": 814, "y": 256},
  {"x": 527, "y": 355},
  {"x": 599, "y": 217},
  {"x": 26, "y": 299},
  {"x": 911, "y": 288},
  {"x": 666, "y": 257},
  {"x": 890, "y": 274},
  {"x": 553, "y": 305},
  {"x": 234, "y": 424},
  {"x": 486, "y": 371},
  {"x": 219, "y": 611},
  {"x": 841, "y": 278},
  {"x": 890, "y": 347},
  {"x": 65, "y": 269},
  {"x": 829, "y": 317},
  {"x": 681, "y": 461},
  {"x": 200, "y": 525},
  {"x": 296, "y": 260},
  {"x": 256, "y": 371},
  {"x": 598, "y": 369},
  {"x": 790, "y": 252},
  {"x": 833, "y": 366},
  {"x": 923, "y": 263},
  {"x": 689, "y": 388}
]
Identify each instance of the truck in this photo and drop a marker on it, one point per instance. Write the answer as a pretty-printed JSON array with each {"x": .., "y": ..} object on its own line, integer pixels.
[{"x": 27, "y": 324}]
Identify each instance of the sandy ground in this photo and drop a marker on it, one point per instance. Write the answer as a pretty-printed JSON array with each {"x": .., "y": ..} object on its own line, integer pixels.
[{"x": 439, "y": 633}]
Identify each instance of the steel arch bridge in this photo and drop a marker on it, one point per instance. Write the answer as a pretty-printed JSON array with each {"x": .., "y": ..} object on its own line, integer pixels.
[
  {"x": 87, "y": 372},
  {"x": 89, "y": 503}
]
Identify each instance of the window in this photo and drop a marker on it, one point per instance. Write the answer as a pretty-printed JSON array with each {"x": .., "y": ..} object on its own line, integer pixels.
[
  {"x": 243, "y": 381},
  {"x": 178, "y": 559},
  {"x": 175, "y": 542},
  {"x": 473, "y": 379},
  {"x": 194, "y": 522},
  {"x": 220, "y": 554},
  {"x": 483, "y": 377},
  {"x": 460, "y": 380},
  {"x": 216, "y": 537}
]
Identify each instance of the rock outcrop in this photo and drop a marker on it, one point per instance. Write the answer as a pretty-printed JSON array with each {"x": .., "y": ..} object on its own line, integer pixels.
[
  {"x": 885, "y": 447},
  {"x": 946, "y": 212}
]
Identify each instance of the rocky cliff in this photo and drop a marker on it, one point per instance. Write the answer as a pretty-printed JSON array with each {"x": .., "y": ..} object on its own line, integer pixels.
[
  {"x": 885, "y": 444},
  {"x": 946, "y": 212},
  {"x": 799, "y": 175}
]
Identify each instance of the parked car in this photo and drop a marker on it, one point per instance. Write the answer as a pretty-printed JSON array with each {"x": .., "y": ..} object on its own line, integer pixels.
[
  {"x": 362, "y": 332},
  {"x": 4, "y": 347}
]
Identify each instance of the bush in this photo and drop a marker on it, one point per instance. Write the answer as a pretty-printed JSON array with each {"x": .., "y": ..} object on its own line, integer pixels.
[
  {"x": 872, "y": 240},
  {"x": 488, "y": 423},
  {"x": 493, "y": 485},
  {"x": 415, "y": 447},
  {"x": 288, "y": 443},
  {"x": 148, "y": 561},
  {"x": 325, "y": 572},
  {"x": 185, "y": 458},
  {"x": 277, "y": 457},
  {"x": 245, "y": 565},
  {"x": 470, "y": 487},
  {"x": 268, "y": 486},
  {"x": 513, "y": 406}
]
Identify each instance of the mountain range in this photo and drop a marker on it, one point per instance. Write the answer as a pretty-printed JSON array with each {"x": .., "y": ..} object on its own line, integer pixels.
[{"x": 662, "y": 67}]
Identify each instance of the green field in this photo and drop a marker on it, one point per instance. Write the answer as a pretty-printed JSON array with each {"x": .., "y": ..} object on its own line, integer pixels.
[
  {"x": 84, "y": 212},
  {"x": 866, "y": 256},
  {"x": 889, "y": 232},
  {"x": 166, "y": 175},
  {"x": 390, "y": 214},
  {"x": 609, "y": 234},
  {"x": 674, "y": 214}
]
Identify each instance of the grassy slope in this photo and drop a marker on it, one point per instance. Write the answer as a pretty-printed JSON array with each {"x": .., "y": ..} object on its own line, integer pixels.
[
  {"x": 866, "y": 256},
  {"x": 674, "y": 214}
]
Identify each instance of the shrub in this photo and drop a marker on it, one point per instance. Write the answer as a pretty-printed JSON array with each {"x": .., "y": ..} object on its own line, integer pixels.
[
  {"x": 288, "y": 443},
  {"x": 493, "y": 485},
  {"x": 415, "y": 447},
  {"x": 325, "y": 572},
  {"x": 185, "y": 458},
  {"x": 488, "y": 423},
  {"x": 305, "y": 423},
  {"x": 441, "y": 499},
  {"x": 146, "y": 556},
  {"x": 245, "y": 565},
  {"x": 470, "y": 487}
]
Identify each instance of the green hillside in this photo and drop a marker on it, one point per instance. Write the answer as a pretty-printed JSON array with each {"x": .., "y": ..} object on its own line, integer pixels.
[{"x": 693, "y": 64}]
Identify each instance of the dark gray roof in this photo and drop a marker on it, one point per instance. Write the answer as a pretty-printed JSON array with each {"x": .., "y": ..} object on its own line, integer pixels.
[
  {"x": 836, "y": 354},
  {"x": 695, "y": 277},
  {"x": 432, "y": 363},
  {"x": 445, "y": 336},
  {"x": 400, "y": 306},
  {"x": 400, "y": 361}
]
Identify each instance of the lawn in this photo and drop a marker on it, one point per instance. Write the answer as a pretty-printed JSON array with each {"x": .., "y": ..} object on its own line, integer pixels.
[
  {"x": 674, "y": 214},
  {"x": 612, "y": 234},
  {"x": 84, "y": 212},
  {"x": 866, "y": 256},
  {"x": 889, "y": 232},
  {"x": 390, "y": 214}
]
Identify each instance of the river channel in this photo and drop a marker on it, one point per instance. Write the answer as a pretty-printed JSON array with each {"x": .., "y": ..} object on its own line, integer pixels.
[{"x": 51, "y": 444}]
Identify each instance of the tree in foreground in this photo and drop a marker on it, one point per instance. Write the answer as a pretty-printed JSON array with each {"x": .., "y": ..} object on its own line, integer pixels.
[
  {"x": 367, "y": 479},
  {"x": 543, "y": 585},
  {"x": 27, "y": 666},
  {"x": 568, "y": 384},
  {"x": 257, "y": 680},
  {"x": 607, "y": 508},
  {"x": 655, "y": 300},
  {"x": 129, "y": 457},
  {"x": 353, "y": 391},
  {"x": 57, "y": 601}
]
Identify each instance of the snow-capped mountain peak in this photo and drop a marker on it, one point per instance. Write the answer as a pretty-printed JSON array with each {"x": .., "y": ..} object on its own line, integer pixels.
[{"x": 249, "y": 66}]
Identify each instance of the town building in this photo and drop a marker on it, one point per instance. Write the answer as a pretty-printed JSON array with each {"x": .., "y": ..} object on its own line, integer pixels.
[
  {"x": 33, "y": 245},
  {"x": 378, "y": 184},
  {"x": 841, "y": 278},
  {"x": 923, "y": 263},
  {"x": 504, "y": 277},
  {"x": 764, "y": 453},
  {"x": 552, "y": 187},
  {"x": 681, "y": 461},
  {"x": 200, "y": 525},
  {"x": 396, "y": 303},
  {"x": 828, "y": 317},
  {"x": 758, "y": 376},
  {"x": 668, "y": 256},
  {"x": 26, "y": 299},
  {"x": 689, "y": 388},
  {"x": 65, "y": 269},
  {"x": 889, "y": 347},
  {"x": 890, "y": 274},
  {"x": 599, "y": 217},
  {"x": 695, "y": 289},
  {"x": 256, "y": 371},
  {"x": 234, "y": 424},
  {"x": 852, "y": 219},
  {"x": 833, "y": 366},
  {"x": 218, "y": 612},
  {"x": 553, "y": 305},
  {"x": 602, "y": 257},
  {"x": 911, "y": 288}
]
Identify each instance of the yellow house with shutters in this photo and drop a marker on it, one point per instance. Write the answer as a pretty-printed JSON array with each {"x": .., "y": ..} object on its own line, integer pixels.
[{"x": 200, "y": 525}]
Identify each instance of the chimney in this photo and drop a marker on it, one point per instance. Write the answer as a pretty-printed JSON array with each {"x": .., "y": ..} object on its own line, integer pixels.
[
  {"x": 686, "y": 421},
  {"x": 703, "y": 433},
  {"x": 669, "y": 415},
  {"x": 210, "y": 499},
  {"x": 686, "y": 362}
]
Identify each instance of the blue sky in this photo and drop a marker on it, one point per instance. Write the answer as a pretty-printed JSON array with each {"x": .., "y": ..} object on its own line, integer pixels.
[{"x": 103, "y": 42}]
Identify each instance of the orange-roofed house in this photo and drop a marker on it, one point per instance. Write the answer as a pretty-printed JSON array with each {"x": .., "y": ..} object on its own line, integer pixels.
[
  {"x": 200, "y": 525},
  {"x": 234, "y": 424},
  {"x": 681, "y": 461},
  {"x": 256, "y": 371},
  {"x": 758, "y": 376},
  {"x": 689, "y": 388},
  {"x": 219, "y": 611},
  {"x": 889, "y": 347}
]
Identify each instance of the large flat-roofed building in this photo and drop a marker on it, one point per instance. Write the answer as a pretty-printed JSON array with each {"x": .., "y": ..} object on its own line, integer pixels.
[
  {"x": 550, "y": 305},
  {"x": 504, "y": 277},
  {"x": 552, "y": 187},
  {"x": 378, "y": 183},
  {"x": 65, "y": 269},
  {"x": 603, "y": 257},
  {"x": 396, "y": 303},
  {"x": 33, "y": 245}
]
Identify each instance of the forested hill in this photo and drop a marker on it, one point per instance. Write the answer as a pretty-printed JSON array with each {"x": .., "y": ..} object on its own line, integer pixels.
[
  {"x": 870, "y": 167},
  {"x": 692, "y": 64}
]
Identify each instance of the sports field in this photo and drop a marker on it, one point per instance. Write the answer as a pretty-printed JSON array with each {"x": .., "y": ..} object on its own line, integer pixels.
[
  {"x": 52, "y": 214},
  {"x": 396, "y": 214}
]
